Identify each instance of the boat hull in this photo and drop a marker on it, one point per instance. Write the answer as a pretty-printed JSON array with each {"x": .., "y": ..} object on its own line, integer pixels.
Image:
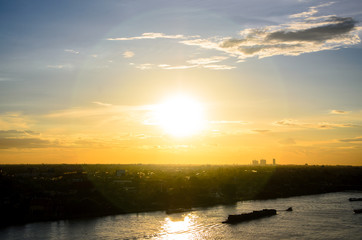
[
  {"x": 355, "y": 199},
  {"x": 358, "y": 210},
  {"x": 238, "y": 218}
]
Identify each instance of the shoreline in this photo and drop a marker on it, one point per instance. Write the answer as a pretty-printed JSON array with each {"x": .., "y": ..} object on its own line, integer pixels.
[
  {"x": 54, "y": 193},
  {"x": 14, "y": 224}
]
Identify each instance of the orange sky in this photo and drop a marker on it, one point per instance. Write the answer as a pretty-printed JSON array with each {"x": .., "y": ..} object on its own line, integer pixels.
[{"x": 255, "y": 81}]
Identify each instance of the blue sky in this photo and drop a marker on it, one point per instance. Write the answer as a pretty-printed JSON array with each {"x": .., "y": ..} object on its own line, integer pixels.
[{"x": 85, "y": 71}]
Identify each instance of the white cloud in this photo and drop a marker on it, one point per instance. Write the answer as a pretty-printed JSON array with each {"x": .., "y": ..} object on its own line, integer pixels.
[
  {"x": 71, "y": 51},
  {"x": 148, "y": 36},
  {"x": 218, "y": 67},
  {"x": 148, "y": 66},
  {"x": 59, "y": 66},
  {"x": 309, "y": 33},
  {"x": 305, "y": 33},
  {"x": 312, "y": 10},
  {"x": 128, "y": 54},
  {"x": 339, "y": 112},
  {"x": 202, "y": 61},
  {"x": 204, "y": 43},
  {"x": 169, "y": 67},
  {"x": 145, "y": 66}
]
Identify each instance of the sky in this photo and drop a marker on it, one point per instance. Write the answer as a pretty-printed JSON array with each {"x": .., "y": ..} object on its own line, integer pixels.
[{"x": 183, "y": 82}]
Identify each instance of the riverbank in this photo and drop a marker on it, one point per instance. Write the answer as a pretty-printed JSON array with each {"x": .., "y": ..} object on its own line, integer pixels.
[
  {"x": 312, "y": 217},
  {"x": 53, "y": 192}
]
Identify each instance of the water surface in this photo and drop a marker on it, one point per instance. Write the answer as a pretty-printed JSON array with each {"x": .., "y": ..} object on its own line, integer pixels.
[{"x": 325, "y": 216}]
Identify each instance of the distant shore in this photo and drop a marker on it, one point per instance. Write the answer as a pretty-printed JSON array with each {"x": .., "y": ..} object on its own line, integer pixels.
[{"x": 32, "y": 193}]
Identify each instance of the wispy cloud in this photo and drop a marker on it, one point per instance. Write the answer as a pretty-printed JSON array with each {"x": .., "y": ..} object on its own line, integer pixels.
[
  {"x": 145, "y": 66},
  {"x": 351, "y": 140},
  {"x": 208, "y": 63},
  {"x": 203, "y": 61},
  {"x": 326, "y": 125},
  {"x": 71, "y": 51},
  {"x": 169, "y": 67},
  {"x": 311, "y": 11},
  {"x": 323, "y": 125},
  {"x": 6, "y": 143},
  {"x": 17, "y": 133},
  {"x": 11, "y": 120},
  {"x": 261, "y": 130},
  {"x": 339, "y": 112},
  {"x": 307, "y": 33},
  {"x": 288, "y": 123},
  {"x": 149, "y": 66},
  {"x": 21, "y": 139},
  {"x": 107, "y": 109},
  {"x": 60, "y": 66},
  {"x": 150, "y": 35},
  {"x": 128, "y": 54},
  {"x": 204, "y": 43},
  {"x": 219, "y": 67},
  {"x": 103, "y": 104}
]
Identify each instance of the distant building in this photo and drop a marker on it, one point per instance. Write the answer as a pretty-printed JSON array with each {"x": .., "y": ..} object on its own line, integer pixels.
[
  {"x": 262, "y": 162},
  {"x": 255, "y": 162},
  {"x": 120, "y": 172},
  {"x": 274, "y": 162}
]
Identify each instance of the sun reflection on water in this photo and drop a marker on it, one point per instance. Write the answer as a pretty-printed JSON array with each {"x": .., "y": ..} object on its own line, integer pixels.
[{"x": 179, "y": 229}]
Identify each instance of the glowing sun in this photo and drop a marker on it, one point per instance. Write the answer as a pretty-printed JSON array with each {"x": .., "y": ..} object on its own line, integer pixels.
[{"x": 180, "y": 116}]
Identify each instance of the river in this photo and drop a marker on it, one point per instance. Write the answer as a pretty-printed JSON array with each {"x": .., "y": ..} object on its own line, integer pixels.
[{"x": 324, "y": 216}]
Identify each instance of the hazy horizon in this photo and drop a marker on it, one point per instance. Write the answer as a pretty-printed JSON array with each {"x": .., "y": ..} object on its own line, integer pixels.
[{"x": 181, "y": 82}]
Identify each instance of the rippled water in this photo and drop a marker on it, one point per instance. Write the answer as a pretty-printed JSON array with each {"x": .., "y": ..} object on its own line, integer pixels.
[{"x": 325, "y": 216}]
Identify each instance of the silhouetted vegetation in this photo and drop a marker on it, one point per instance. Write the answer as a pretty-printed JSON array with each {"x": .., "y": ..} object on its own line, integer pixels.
[{"x": 51, "y": 192}]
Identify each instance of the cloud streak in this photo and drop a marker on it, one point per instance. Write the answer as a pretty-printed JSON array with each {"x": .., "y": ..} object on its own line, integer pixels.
[
  {"x": 306, "y": 32},
  {"x": 150, "y": 35},
  {"x": 17, "y": 133},
  {"x": 323, "y": 125},
  {"x": 149, "y": 66},
  {"x": 21, "y": 139},
  {"x": 60, "y": 66},
  {"x": 339, "y": 112},
  {"x": 71, "y": 51},
  {"x": 309, "y": 33},
  {"x": 351, "y": 140},
  {"x": 203, "y": 61},
  {"x": 6, "y": 143}
]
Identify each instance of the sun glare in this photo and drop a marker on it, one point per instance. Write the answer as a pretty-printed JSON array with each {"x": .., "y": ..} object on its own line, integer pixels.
[{"x": 180, "y": 116}]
